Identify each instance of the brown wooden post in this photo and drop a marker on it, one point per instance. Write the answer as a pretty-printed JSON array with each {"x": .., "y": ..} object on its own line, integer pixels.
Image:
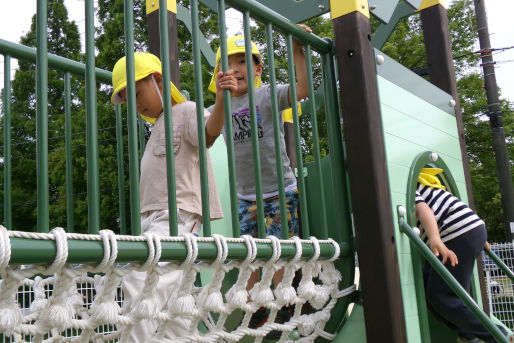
[
  {"x": 366, "y": 163},
  {"x": 441, "y": 70},
  {"x": 152, "y": 19}
]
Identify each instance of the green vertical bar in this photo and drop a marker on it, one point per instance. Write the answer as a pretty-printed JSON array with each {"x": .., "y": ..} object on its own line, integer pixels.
[
  {"x": 93, "y": 190},
  {"x": 42, "y": 117},
  {"x": 142, "y": 138},
  {"x": 69, "y": 160},
  {"x": 315, "y": 140},
  {"x": 339, "y": 182},
  {"x": 228, "y": 124},
  {"x": 297, "y": 138},
  {"x": 121, "y": 170},
  {"x": 253, "y": 125},
  {"x": 168, "y": 120},
  {"x": 276, "y": 131},
  {"x": 135, "y": 209},
  {"x": 202, "y": 151},
  {"x": 7, "y": 143}
]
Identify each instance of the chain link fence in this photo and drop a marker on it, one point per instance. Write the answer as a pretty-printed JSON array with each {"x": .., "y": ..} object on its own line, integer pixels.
[{"x": 500, "y": 289}]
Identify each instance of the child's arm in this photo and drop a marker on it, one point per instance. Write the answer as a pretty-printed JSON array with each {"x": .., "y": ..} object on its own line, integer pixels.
[
  {"x": 216, "y": 120},
  {"x": 302, "y": 89},
  {"x": 427, "y": 219}
]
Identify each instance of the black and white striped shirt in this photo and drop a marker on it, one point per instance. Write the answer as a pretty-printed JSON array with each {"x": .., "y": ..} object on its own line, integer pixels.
[{"x": 452, "y": 215}]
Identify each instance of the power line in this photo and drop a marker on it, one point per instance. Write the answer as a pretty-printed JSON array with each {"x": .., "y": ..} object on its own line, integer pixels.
[{"x": 485, "y": 51}]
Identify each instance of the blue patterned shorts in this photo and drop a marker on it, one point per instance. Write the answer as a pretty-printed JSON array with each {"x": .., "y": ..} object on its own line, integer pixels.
[{"x": 248, "y": 215}]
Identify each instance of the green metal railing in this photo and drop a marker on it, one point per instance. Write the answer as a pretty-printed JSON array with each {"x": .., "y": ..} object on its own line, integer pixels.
[
  {"x": 330, "y": 185},
  {"x": 450, "y": 280},
  {"x": 250, "y": 9}
]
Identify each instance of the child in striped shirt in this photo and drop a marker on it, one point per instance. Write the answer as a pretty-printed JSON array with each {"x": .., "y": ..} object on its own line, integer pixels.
[{"x": 457, "y": 235}]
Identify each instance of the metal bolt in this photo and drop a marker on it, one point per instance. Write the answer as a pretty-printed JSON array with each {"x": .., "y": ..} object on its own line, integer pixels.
[
  {"x": 416, "y": 231},
  {"x": 434, "y": 157},
  {"x": 372, "y": 7},
  {"x": 321, "y": 7},
  {"x": 401, "y": 211},
  {"x": 380, "y": 59},
  {"x": 363, "y": 5},
  {"x": 153, "y": 4},
  {"x": 453, "y": 103}
]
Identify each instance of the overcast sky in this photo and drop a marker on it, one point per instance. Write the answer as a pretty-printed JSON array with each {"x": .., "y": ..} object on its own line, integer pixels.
[{"x": 15, "y": 18}]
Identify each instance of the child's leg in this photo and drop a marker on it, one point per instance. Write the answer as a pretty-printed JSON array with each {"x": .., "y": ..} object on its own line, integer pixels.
[
  {"x": 134, "y": 285},
  {"x": 247, "y": 211},
  {"x": 274, "y": 224},
  {"x": 443, "y": 301}
]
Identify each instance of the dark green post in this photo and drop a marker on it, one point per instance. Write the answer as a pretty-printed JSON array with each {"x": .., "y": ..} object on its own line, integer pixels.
[
  {"x": 42, "y": 117},
  {"x": 366, "y": 162},
  {"x": 93, "y": 189},
  {"x": 7, "y": 143},
  {"x": 135, "y": 208},
  {"x": 69, "y": 159},
  {"x": 228, "y": 125}
]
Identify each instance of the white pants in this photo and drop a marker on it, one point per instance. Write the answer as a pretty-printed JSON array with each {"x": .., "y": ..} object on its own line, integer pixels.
[{"x": 134, "y": 283}]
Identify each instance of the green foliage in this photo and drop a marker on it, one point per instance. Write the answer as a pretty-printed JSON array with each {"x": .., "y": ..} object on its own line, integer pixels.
[{"x": 63, "y": 40}]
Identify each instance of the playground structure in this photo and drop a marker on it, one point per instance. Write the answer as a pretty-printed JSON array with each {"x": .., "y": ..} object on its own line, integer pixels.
[{"x": 385, "y": 108}]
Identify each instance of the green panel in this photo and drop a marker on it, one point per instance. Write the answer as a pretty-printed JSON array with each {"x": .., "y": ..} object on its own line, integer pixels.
[
  {"x": 218, "y": 154},
  {"x": 382, "y": 9},
  {"x": 414, "y": 122},
  {"x": 294, "y": 10},
  {"x": 402, "y": 10},
  {"x": 353, "y": 330},
  {"x": 405, "y": 115},
  {"x": 401, "y": 76}
]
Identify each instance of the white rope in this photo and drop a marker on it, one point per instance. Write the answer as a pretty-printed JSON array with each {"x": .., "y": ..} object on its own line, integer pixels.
[
  {"x": 59, "y": 305},
  {"x": 5, "y": 249}
]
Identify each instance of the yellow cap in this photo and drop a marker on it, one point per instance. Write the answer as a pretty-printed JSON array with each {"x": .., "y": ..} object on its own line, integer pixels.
[
  {"x": 427, "y": 177},
  {"x": 144, "y": 65},
  {"x": 235, "y": 45}
]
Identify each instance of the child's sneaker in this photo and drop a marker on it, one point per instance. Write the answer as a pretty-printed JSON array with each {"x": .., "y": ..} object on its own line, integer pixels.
[{"x": 258, "y": 318}]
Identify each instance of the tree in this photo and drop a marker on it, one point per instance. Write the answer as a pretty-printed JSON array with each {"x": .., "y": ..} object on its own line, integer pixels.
[{"x": 63, "y": 40}]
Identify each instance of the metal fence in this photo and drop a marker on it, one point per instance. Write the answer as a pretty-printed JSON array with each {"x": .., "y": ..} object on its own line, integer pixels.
[
  {"x": 500, "y": 288},
  {"x": 26, "y": 296}
]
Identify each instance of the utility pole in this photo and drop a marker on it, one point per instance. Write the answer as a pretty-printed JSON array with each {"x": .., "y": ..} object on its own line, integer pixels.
[{"x": 495, "y": 115}]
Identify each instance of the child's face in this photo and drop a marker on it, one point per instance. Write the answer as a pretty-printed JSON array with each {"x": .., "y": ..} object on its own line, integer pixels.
[
  {"x": 237, "y": 63},
  {"x": 148, "y": 102}
]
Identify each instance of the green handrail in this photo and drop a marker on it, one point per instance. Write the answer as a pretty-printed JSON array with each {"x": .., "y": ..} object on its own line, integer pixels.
[
  {"x": 200, "y": 121},
  {"x": 42, "y": 117},
  {"x": 265, "y": 15},
  {"x": 450, "y": 280},
  {"x": 228, "y": 124},
  {"x": 39, "y": 251},
  {"x": 63, "y": 64},
  {"x": 7, "y": 143},
  {"x": 135, "y": 209},
  {"x": 253, "y": 125},
  {"x": 276, "y": 131},
  {"x": 504, "y": 268},
  {"x": 168, "y": 119},
  {"x": 315, "y": 142},
  {"x": 297, "y": 137},
  {"x": 68, "y": 152}
]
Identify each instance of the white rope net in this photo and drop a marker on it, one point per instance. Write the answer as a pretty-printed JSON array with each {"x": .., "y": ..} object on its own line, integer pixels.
[{"x": 60, "y": 312}]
